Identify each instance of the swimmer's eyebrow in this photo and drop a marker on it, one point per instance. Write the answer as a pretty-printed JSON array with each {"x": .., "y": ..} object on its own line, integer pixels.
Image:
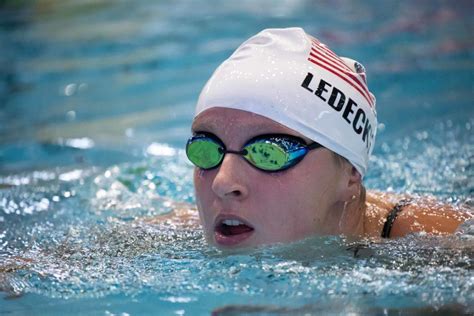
[
  {"x": 203, "y": 126},
  {"x": 212, "y": 126},
  {"x": 252, "y": 129}
]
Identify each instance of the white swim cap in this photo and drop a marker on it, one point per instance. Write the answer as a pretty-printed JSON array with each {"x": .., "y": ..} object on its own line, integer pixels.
[{"x": 292, "y": 78}]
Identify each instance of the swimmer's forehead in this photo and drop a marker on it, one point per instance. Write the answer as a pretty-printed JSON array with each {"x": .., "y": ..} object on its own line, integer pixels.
[{"x": 219, "y": 120}]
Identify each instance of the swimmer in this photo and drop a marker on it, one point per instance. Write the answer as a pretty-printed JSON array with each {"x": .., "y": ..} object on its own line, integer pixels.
[{"x": 281, "y": 141}]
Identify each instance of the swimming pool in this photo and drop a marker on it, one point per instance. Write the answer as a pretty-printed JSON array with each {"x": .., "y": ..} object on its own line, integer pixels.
[{"x": 96, "y": 100}]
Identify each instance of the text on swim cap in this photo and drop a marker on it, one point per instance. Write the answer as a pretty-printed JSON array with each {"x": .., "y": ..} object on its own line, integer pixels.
[{"x": 336, "y": 99}]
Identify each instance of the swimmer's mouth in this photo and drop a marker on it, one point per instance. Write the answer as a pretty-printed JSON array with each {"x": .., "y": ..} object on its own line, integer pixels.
[{"x": 230, "y": 231}]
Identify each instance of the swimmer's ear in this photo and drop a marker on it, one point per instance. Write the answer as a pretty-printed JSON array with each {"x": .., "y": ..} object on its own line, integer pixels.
[{"x": 352, "y": 181}]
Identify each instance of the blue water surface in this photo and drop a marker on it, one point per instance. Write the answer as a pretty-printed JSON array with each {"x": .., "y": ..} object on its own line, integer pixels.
[{"x": 96, "y": 101}]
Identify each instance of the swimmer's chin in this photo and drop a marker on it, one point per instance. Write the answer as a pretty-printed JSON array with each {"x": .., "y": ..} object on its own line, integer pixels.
[
  {"x": 252, "y": 245},
  {"x": 253, "y": 242},
  {"x": 244, "y": 248}
]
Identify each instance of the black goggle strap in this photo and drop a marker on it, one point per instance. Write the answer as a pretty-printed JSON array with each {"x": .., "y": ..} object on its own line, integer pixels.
[
  {"x": 314, "y": 146},
  {"x": 242, "y": 152}
]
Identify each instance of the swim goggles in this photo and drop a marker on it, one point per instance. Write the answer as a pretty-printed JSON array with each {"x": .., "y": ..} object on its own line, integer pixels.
[{"x": 270, "y": 152}]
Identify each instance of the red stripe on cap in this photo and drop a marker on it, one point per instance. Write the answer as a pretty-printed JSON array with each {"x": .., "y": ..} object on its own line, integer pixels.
[
  {"x": 342, "y": 77},
  {"x": 323, "y": 49},
  {"x": 333, "y": 63},
  {"x": 329, "y": 58},
  {"x": 342, "y": 72},
  {"x": 325, "y": 53},
  {"x": 318, "y": 44}
]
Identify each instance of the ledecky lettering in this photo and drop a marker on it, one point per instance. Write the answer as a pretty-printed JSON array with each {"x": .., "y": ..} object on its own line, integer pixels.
[{"x": 336, "y": 99}]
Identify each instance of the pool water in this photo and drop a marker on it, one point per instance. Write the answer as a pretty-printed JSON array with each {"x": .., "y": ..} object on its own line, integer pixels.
[{"x": 96, "y": 100}]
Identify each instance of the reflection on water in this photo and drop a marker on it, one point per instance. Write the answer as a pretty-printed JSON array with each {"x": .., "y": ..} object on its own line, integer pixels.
[
  {"x": 91, "y": 233},
  {"x": 96, "y": 99},
  {"x": 126, "y": 74}
]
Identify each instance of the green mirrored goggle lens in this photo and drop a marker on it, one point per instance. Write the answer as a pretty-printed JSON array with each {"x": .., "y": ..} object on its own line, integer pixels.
[
  {"x": 266, "y": 156},
  {"x": 204, "y": 153}
]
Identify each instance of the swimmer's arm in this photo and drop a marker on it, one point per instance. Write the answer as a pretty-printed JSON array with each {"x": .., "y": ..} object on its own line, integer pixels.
[
  {"x": 183, "y": 214},
  {"x": 431, "y": 216}
]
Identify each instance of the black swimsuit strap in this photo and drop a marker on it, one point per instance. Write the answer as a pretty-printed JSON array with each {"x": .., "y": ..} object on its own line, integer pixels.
[{"x": 387, "y": 227}]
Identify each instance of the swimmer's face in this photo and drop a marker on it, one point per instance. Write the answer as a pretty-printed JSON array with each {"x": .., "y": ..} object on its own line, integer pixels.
[{"x": 241, "y": 206}]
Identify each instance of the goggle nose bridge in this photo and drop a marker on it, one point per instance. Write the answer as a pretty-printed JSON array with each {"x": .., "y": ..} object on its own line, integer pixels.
[{"x": 242, "y": 152}]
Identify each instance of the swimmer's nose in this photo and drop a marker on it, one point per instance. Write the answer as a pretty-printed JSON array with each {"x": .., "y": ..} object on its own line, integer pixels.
[{"x": 230, "y": 178}]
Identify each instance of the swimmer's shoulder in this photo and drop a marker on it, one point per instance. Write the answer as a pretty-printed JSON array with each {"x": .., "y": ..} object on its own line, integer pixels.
[
  {"x": 414, "y": 214},
  {"x": 182, "y": 214},
  {"x": 426, "y": 214},
  {"x": 378, "y": 206}
]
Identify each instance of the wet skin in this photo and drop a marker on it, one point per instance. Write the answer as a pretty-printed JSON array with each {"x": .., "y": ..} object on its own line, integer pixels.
[
  {"x": 304, "y": 200},
  {"x": 312, "y": 198}
]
